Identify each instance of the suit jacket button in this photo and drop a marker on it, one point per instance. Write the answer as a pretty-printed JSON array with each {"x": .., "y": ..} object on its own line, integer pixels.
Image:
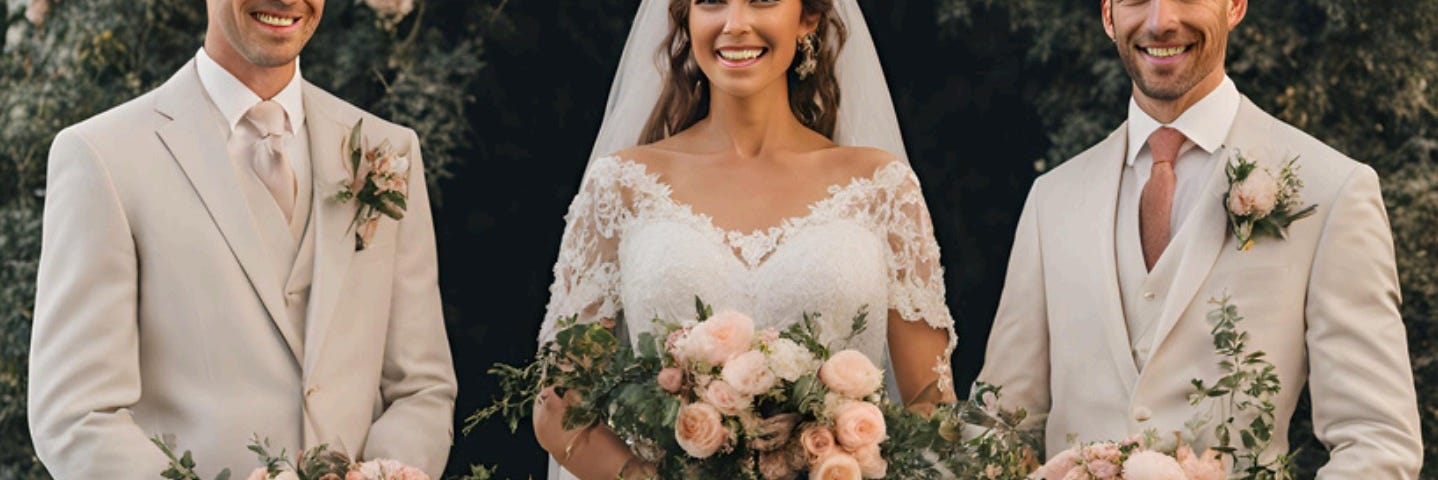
[
  {"x": 1148, "y": 295},
  {"x": 1142, "y": 414}
]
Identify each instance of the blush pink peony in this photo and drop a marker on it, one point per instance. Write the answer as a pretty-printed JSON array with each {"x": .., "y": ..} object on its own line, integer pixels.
[
  {"x": 725, "y": 398},
  {"x": 1256, "y": 195},
  {"x": 1150, "y": 465},
  {"x": 749, "y": 373},
  {"x": 721, "y": 337}
]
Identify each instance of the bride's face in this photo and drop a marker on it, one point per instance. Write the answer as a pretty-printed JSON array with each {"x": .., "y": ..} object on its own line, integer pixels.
[{"x": 745, "y": 46}]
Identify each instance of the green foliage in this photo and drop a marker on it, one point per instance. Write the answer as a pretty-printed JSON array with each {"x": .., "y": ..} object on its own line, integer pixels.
[{"x": 1356, "y": 74}]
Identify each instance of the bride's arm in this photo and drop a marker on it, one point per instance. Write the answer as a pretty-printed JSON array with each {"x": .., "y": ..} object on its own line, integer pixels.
[
  {"x": 919, "y": 353},
  {"x": 592, "y": 452}
]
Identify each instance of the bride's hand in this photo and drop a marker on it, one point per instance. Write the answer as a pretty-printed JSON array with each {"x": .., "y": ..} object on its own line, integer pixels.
[{"x": 549, "y": 408}]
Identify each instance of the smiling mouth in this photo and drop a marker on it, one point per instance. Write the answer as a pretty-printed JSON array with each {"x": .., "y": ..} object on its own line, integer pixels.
[
  {"x": 1164, "y": 52},
  {"x": 741, "y": 56},
  {"x": 274, "y": 20}
]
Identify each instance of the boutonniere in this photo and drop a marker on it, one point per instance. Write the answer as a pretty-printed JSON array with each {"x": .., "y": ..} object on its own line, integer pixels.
[
  {"x": 379, "y": 181},
  {"x": 1260, "y": 203}
]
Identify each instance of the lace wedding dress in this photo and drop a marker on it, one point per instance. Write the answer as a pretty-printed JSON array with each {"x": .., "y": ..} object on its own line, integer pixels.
[{"x": 629, "y": 246}]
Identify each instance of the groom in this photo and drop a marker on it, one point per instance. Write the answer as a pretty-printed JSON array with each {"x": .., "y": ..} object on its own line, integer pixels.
[
  {"x": 199, "y": 280},
  {"x": 1118, "y": 251}
]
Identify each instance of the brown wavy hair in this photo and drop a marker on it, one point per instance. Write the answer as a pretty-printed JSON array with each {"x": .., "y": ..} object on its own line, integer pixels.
[{"x": 685, "y": 98}]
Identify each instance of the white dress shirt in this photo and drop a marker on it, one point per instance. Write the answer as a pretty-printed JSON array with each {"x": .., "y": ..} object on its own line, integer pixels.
[{"x": 234, "y": 100}]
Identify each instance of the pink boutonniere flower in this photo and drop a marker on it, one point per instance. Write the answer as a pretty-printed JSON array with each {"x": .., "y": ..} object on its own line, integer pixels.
[
  {"x": 1260, "y": 203},
  {"x": 379, "y": 181}
]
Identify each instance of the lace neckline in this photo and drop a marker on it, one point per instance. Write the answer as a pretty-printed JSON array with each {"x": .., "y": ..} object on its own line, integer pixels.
[{"x": 754, "y": 247}]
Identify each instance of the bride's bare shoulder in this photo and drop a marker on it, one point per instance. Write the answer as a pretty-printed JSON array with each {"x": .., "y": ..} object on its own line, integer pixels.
[
  {"x": 856, "y": 161},
  {"x": 655, "y": 157}
]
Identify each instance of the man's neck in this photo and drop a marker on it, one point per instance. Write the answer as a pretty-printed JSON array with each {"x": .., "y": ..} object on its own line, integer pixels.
[
  {"x": 1166, "y": 111},
  {"x": 265, "y": 82}
]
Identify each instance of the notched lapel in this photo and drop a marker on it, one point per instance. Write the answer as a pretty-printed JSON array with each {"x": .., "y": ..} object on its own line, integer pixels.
[
  {"x": 329, "y": 125},
  {"x": 195, "y": 137}
]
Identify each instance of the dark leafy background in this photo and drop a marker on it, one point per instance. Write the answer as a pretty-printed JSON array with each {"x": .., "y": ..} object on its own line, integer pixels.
[{"x": 507, "y": 96}]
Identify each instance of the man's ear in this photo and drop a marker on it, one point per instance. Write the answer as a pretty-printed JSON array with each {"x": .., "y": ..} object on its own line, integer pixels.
[
  {"x": 1107, "y": 7},
  {"x": 1237, "y": 9}
]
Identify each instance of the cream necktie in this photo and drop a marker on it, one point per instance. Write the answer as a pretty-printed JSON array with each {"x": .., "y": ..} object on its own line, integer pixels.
[
  {"x": 270, "y": 162},
  {"x": 1155, "y": 206}
]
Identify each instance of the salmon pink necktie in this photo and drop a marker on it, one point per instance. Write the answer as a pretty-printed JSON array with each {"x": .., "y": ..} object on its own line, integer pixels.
[{"x": 1155, "y": 205}]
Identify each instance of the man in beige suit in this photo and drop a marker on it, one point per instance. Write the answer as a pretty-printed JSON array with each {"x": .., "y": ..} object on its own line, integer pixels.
[
  {"x": 199, "y": 279},
  {"x": 1118, "y": 251}
]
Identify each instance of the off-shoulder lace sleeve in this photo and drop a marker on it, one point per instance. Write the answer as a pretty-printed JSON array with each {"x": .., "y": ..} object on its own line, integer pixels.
[
  {"x": 586, "y": 275},
  {"x": 916, "y": 278}
]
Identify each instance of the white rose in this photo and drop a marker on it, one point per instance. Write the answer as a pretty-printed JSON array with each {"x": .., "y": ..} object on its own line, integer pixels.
[
  {"x": 790, "y": 360},
  {"x": 1256, "y": 195},
  {"x": 748, "y": 373}
]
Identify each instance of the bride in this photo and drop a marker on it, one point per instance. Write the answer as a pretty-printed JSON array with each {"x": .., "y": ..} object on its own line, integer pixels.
[{"x": 755, "y": 188}]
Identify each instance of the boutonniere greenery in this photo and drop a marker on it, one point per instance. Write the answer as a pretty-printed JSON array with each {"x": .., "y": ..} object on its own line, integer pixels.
[
  {"x": 379, "y": 182},
  {"x": 1260, "y": 203}
]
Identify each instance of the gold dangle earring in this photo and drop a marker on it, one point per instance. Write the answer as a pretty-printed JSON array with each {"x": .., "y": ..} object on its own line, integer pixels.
[{"x": 811, "y": 58}]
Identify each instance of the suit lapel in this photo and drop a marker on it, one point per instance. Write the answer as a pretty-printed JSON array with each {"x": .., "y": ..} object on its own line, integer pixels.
[
  {"x": 1207, "y": 227},
  {"x": 195, "y": 137},
  {"x": 1101, "y": 206},
  {"x": 328, "y": 127}
]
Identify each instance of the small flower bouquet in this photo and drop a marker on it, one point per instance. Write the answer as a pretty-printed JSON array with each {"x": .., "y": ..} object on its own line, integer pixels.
[
  {"x": 1260, "y": 203},
  {"x": 319, "y": 463},
  {"x": 1248, "y": 387},
  {"x": 713, "y": 398}
]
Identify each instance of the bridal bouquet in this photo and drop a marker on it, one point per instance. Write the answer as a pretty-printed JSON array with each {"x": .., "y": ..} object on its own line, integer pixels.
[
  {"x": 1248, "y": 386},
  {"x": 714, "y": 398},
  {"x": 319, "y": 463}
]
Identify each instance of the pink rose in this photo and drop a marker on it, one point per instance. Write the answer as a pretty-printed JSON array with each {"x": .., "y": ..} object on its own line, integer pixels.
[
  {"x": 721, "y": 337},
  {"x": 818, "y": 441},
  {"x": 1102, "y": 451},
  {"x": 699, "y": 430},
  {"x": 774, "y": 466},
  {"x": 749, "y": 373},
  {"x": 725, "y": 398},
  {"x": 871, "y": 462},
  {"x": 259, "y": 474},
  {"x": 1058, "y": 467},
  {"x": 1103, "y": 469},
  {"x": 1150, "y": 465},
  {"x": 1256, "y": 195},
  {"x": 354, "y": 474},
  {"x": 851, "y": 374},
  {"x": 671, "y": 379},
  {"x": 837, "y": 466},
  {"x": 1205, "y": 467},
  {"x": 859, "y": 424},
  {"x": 768, "y": 335}
]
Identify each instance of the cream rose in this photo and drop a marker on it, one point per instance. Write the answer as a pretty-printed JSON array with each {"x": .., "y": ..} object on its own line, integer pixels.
[
  {"x": 871, "y": 462},
  {"x": 818, "y": 441},
  {"x": 749, "y": 373},
  {"x": 721, "y": 337},
  {"x": 790, "y": 360},
  {"x": 858, "y": 425},
  {"x": 837, "y": 466},
  {"x": 1256, "y": 195},
  {"x": 1150, "y": 465},
  {"x": 391, "y": 8},
  {"x": 699, "y": 430},
  {"x": 725, "y": 398},
  {"x": 671, "y": 379},
  {"x": 851, "y": 374}
]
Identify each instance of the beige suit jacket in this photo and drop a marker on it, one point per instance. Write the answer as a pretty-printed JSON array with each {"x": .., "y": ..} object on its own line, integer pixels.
[
  {"x": 156, "y": 306},
  {"x": 1323, "y": 304}
]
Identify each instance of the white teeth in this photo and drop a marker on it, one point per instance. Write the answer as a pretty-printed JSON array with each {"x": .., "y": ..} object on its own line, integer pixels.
[
  {"x": 273, "y": 20},
  {"x": 1165, "y": 52},
  {"x": 740, "y": 55}
]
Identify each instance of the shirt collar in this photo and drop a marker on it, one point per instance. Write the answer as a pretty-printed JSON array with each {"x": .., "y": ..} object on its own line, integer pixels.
[
  {"x": 234, "y": 99},
  {"x": 1206, "y": 123}
]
